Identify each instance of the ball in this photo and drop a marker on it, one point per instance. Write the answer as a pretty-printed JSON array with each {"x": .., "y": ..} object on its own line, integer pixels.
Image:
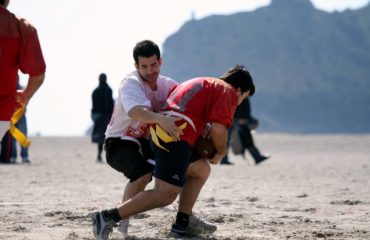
[{"x": 204, "y": 147}]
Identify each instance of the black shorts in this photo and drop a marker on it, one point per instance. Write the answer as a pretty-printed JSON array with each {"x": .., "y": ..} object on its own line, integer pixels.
[
  {"x": 171, "y": 166},
  {"x": 125, "y": 157},
  {"x": 194, "y": 157}
]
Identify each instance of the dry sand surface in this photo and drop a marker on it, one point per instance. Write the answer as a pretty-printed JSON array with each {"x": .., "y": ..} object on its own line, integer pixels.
[{"x": 313, "y": 187}]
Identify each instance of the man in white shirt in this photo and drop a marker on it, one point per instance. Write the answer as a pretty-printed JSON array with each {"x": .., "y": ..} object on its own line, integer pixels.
[{"x": 141, "y": 94}]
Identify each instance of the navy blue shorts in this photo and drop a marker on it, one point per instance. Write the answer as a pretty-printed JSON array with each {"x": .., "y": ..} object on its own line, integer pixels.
[
  {"x": 171, "y": 166},
  {"x": 125, "y": 157},
  {"x": 194, "y": 157}
]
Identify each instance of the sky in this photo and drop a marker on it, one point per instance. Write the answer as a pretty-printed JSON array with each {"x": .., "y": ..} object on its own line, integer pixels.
[{"x": 82, "y": 38}]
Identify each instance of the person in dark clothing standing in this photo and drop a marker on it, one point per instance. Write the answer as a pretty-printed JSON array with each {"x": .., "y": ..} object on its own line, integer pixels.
[
  {"x": 244, "y": 124},
  {"x": 102, "y": 108}
]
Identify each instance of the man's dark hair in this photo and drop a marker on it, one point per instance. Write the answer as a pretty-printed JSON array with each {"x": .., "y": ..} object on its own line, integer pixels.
[
  {"x": 239, "y": 77},
  {"x": 2, "y": 2},
  {"x": 146, "y": 49}
]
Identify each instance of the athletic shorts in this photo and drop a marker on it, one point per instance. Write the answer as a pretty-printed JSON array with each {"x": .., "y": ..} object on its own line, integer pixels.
[
  {"x": 125, "y": 157},
  {"x": 194, "y": 157},
  {"x": 171, "y": 166}
]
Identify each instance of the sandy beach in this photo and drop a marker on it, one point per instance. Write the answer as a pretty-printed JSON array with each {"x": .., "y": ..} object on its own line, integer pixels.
[{"x": 313, "y": 187}]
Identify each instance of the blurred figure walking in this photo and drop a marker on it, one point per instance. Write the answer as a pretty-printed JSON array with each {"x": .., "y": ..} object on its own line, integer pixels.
[
  {"x": 243, "y": 125},
  {"x": 102, "y": 108}
]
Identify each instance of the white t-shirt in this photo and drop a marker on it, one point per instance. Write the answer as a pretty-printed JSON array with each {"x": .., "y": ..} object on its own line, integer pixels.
[{"x": 134, "y": 92}]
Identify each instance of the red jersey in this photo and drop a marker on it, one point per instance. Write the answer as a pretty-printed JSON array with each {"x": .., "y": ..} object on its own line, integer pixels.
[
  {"x": 19, "y": 50},
  {"x": 202, "y": 100}
]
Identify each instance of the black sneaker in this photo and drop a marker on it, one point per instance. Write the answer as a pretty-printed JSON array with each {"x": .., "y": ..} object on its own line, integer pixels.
[
  {"x": 102, "y": 227},
  {"x": 177, "y": 231}
]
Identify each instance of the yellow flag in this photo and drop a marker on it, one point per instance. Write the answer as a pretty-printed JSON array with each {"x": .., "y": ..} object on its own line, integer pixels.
[
  {"x": 159, "y": 133},
  {"x": 18, "y": 135}
]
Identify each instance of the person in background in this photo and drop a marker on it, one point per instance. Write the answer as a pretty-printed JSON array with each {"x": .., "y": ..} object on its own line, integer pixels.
[
  {"x": 243, "y": 125},
  {"x": 22, "y": 126},
  {"x": 102, "y": 108},
  {"x": 19, "y": 50}
]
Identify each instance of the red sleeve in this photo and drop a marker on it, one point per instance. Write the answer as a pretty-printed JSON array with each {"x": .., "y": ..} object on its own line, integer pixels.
[
  {"x": 222, "y": 104},
  {"x": 31, "y": 57}
]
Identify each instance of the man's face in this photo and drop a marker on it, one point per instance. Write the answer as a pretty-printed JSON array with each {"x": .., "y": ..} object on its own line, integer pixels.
[
  {"x": 149, "y": 68},
  {"x": 242, "y": 96}
]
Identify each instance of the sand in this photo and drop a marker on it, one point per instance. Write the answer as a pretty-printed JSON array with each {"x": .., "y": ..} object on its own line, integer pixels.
[{"x": 313, "y": 187}]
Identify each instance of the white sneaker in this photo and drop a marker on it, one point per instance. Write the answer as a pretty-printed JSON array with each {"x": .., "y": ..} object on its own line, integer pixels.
[
  {"x": 122, "y": 227},
  {"x": 199, "y": 226}
]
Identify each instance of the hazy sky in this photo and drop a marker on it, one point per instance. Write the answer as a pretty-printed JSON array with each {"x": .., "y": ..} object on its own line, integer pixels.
[{"x": 82, "y": 38}]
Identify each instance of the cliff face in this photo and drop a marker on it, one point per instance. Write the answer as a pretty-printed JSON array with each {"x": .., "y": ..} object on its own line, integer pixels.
[{"x": 311, "y": 68}]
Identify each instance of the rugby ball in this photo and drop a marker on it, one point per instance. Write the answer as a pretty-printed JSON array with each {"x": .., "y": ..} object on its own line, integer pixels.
[{"x": 204, "y": 147}]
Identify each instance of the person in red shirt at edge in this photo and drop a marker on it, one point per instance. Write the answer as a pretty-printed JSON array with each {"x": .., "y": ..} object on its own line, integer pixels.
[
  {"x": 19, "y": 50},
  {"x": 195, "y": 102}
]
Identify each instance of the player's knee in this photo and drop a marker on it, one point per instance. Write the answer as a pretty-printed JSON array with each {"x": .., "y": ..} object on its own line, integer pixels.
[
  {"x": 206, "y": 170},
  {"x": 200, "y": 169}
]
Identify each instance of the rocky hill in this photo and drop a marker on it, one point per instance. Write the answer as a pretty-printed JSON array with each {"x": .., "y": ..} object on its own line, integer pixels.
[{"x": 311, "y": 68}]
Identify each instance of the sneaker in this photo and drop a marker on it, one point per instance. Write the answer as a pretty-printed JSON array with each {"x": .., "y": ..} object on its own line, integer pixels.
[
  {"x": 26, "y": 160},
  {"x": 102, "y": 227},
  {"x": 122, "y": 227},
  {"x": 199, "y": 226},
  {"x": 178, "y": 231}
]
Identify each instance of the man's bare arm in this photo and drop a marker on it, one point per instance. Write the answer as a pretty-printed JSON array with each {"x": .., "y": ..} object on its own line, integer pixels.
[
  {"x": 33, "y": 85},
  {"x": 145, "y": 115},
  {"x": 219, "y": 135}
]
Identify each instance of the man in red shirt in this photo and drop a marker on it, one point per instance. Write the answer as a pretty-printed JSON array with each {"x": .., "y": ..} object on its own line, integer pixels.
[
  {"x": 195, "y": 102},
  {"x": 19, "y": 50}
]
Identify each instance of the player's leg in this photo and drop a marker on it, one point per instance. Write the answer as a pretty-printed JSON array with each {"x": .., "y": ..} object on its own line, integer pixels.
[
  {"x": 126, "y": 157},
  {"x": 187, "y": 223},
  {"x": 196, "y": 176},
  {"x": 4, "y": 126}
]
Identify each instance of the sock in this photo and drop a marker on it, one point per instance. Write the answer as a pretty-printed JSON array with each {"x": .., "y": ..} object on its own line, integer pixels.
[
  {"x": 182, "y": 219},
  {"x": 112, "y": 214}
]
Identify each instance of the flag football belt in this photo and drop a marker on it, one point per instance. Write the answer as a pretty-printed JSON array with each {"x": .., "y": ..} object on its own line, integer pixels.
[
  {"x": 15, "y": 132},
  {"x": 157, "y": 134}
]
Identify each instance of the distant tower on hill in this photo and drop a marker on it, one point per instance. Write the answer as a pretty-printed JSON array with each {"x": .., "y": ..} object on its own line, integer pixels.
[
  {"x": 288, "y": 2},
  {"x": 192, "y": 16}
]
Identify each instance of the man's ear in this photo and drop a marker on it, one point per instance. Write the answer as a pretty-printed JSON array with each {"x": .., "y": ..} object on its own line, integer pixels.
[
  {"x": 239, "y": 91},
  {"x": 160, "y": 61},
  {"x": 136, "y": 66}
]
